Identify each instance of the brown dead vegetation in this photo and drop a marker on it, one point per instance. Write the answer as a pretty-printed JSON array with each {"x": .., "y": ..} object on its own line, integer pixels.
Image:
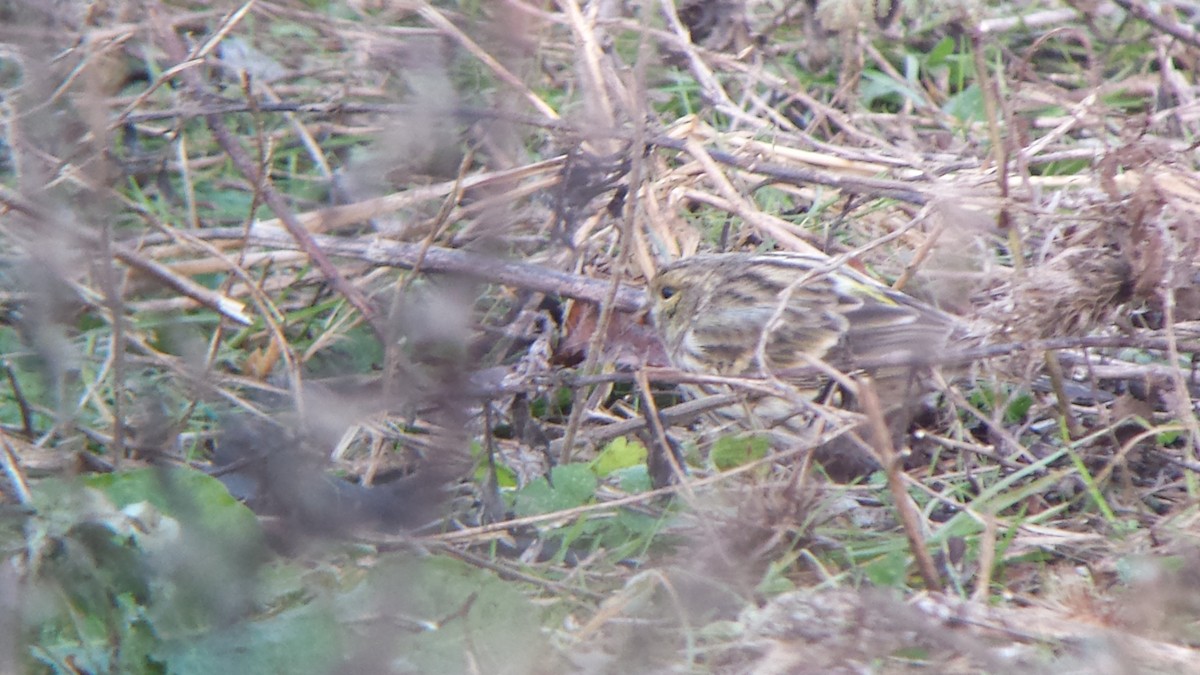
[{"x": 483, "y": 190}]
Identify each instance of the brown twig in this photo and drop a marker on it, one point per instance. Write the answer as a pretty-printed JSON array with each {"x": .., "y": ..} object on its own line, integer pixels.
[
  {"x": 658, "y": 434},
  {"x": 987, "y": 559},
  {"x": 628, "y": 298},
  {"x": 12, "y": 468},
  {"x": 221, "y": 304},
  {"x": 910, "y": 519},
  {"x": 196, "y": 85},
  {"x": 1176, "y": 30},
  {"x": 905, "y": 191},
  {"x": 675, "y": 415},
  {"x": 446, "y": 261}
]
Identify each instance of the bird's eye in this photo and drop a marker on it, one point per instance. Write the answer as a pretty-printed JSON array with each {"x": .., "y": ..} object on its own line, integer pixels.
[{"x": 667, "y": 292}]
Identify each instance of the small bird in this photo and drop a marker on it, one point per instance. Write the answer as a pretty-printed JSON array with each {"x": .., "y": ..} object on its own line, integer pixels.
[{"x": 788, "y": 314}]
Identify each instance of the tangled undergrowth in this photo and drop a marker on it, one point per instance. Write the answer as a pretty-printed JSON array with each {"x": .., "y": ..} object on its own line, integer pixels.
[{"x": 325, "y": 347}]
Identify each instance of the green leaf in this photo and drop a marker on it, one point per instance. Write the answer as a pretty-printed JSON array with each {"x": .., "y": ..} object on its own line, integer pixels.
[
  {"x": 938, "y": 54},
  {"x": 621, "y": 453},
  {"x": 775, "y": 580},
  {"x": 570, "y": 486},
  {"x": 126, "y": 558},
  {"x": 302, "y": 640},
  {"x": 187, "y": 495},
  {"x": 967, "y": 105},
  {"x": 890, "y": 570},
  {"x": 1018, "y": 408},
  {"x": 506, "y": 478},
  {"x": 438, "y": 615},
  {"x": 1167, "y": 437},
  {"x": 733, "y": 451},
  {"x": 635, "y": 479},
  {"x": 877, "y": 85}
]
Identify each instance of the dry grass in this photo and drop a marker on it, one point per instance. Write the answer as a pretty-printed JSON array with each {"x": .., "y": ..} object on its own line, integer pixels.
[{"x": 404, "y": 243}]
